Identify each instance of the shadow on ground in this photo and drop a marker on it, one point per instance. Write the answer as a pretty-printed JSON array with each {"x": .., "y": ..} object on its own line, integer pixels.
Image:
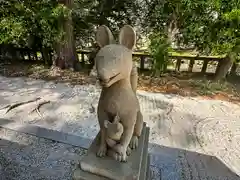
[
  {"x": 25, "y": 156},
  {"x": 35, "y": 158},
  {"x": 179, "y": 164}
]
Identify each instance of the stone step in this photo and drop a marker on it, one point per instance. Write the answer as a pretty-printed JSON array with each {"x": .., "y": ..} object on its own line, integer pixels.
[
  {"x": 144, "y": 163},
  {"x": 148, "y": 173},
  {"x": 95, "y": 168}
]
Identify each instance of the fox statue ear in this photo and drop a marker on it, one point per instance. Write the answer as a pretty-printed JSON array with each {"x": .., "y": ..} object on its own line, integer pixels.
[
  {"x": 104, "y": 36},
  {"x": 127, "y": 37}
]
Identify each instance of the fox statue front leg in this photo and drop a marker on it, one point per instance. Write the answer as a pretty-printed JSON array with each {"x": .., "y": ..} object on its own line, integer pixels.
[
  {"x": 122, "y": 147},
  {"x": 137, "y": 131},
  {"x": 102, "y": 116}
]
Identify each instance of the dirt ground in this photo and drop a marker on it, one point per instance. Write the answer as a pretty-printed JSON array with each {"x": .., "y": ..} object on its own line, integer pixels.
[{"x": 183, "y": 84}]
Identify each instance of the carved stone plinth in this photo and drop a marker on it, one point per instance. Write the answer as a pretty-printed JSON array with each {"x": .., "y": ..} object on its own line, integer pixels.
[{"x": 95, "y": 168}]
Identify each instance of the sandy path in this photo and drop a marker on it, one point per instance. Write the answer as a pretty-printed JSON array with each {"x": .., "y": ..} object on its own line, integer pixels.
[{"x": 203, "y": 126}]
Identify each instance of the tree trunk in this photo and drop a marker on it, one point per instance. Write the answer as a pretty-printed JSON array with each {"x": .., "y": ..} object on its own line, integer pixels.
[
  {"x": 224, "y": 66},
  {"x": 172, "y": 29},
  {"x": 93, "y": 54},
  {"x": 65, "y": 49},
  {"x": 76, "y": 64},
  {"x": 13, "y": 53}
]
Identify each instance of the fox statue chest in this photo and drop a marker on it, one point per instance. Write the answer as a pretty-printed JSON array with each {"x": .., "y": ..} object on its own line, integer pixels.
[{"x": 118, "y": 99}]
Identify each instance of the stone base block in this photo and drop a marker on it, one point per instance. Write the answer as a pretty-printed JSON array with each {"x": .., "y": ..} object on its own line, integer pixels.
[{"x": 106, "y": 168}]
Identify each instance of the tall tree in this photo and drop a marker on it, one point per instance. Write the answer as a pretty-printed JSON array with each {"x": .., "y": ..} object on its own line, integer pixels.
[
  {"x": 65, "y": 47},
  {"x": 45, "y": 25}
]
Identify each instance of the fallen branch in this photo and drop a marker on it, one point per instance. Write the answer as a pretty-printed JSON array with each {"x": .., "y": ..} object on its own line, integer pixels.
[
  {"x": 37, "y": 108},
  {"x": 169, "y": 110},
  {"x": 10, "y": 107}
]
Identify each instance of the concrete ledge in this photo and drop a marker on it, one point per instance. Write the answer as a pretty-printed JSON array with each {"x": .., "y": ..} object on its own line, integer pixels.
[{"x": 42, "y": 132}]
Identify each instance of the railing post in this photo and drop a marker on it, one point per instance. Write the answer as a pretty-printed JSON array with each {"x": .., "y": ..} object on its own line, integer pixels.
[
  {"x": 178, "y": 64},
  {"x": 35, "y": 54},
  {"x": 22, "y": 55},
  {"x": 82, "y": 58},
  {"x": 218, "y": 66},
  {"x": 190, "y": 67},
  {"x": 29, "y": 55},
  {"x": 142, "y": 62},
  {"x": 205, "y": 64}
]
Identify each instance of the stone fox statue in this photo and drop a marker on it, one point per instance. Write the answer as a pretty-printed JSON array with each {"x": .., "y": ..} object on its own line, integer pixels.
[{"x": 118, "y": 78}]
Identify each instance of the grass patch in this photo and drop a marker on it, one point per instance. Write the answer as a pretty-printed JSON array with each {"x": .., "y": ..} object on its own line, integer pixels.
[{"x": 208, "y": 87}]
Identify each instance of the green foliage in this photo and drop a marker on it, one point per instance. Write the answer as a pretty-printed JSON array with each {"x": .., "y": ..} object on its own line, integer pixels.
[
  {"x": 24, "y": 22},
  {"x": 60, "y": 10},
  {"x": 159, "y": 48},
  {"x": 218, "y": 26},
  {"x": 211, "y": 25},
  {"x": 12, "y": 29}
]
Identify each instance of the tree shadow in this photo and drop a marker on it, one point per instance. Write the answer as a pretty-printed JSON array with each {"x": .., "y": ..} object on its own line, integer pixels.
[
  {"x": 27, "y": 157},
  {"x": 179, "y": 164},
  {"x": 167, "y": 163}
]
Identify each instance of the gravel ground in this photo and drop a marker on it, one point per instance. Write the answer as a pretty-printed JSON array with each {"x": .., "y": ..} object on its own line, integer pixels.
[
  {"x": 179, "y": 126},
  {"x": 25, "y": 157}
]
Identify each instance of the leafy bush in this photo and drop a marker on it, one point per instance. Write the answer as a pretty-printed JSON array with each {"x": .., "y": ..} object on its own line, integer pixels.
[{"x": 159, "y": 48}]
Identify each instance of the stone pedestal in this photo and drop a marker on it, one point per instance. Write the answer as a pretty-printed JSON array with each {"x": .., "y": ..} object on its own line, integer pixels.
[{"x": 95, "y": 168}]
